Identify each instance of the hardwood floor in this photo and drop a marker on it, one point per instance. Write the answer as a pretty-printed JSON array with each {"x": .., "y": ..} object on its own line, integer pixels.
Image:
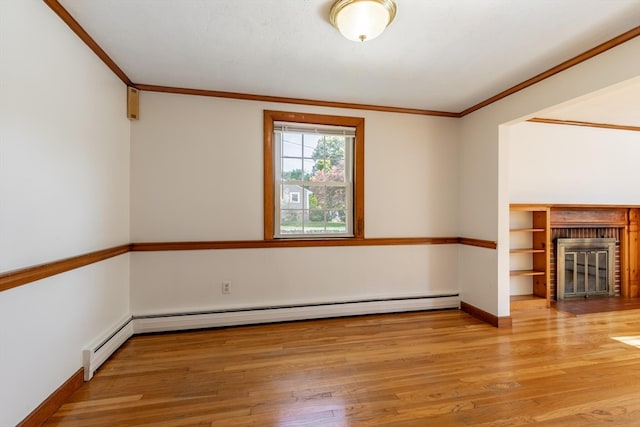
[
  {"x": 415, "y": 369},
  {"x": 597, "y": 305}
]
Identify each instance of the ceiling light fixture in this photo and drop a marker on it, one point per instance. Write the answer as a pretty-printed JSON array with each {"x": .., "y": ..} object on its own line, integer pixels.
[{"x": 362, "y": 20}]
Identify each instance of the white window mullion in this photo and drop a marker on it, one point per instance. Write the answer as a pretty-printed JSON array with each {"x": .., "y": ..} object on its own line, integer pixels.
[
  {"x": 302, "y": 156},
  {"x": 305, "y": 133},
  {"x": 348, "y": 161},
  {"x": 277, "y": 181}
]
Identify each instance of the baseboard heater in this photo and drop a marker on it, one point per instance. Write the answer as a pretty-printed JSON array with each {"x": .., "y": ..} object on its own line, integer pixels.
[{"x": 98, "y": 354}]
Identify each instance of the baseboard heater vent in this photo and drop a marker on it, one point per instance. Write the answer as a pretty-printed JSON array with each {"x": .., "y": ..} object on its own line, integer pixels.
[
  {"x": 97, "y": 354},
  {"x": 213, "y": 319}
]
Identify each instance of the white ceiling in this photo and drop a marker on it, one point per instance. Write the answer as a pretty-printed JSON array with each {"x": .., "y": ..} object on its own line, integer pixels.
[{"x": 443, "y": 55}]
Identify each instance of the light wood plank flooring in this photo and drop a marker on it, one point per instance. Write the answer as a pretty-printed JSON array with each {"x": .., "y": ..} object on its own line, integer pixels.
[{"x": 418, "y": 369}]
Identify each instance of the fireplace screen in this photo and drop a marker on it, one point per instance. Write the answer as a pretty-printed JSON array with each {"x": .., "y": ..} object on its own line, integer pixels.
[{"x": 586, "y": 267}]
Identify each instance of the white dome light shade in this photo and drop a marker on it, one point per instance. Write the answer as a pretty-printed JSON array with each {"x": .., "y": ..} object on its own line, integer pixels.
[{"x": 362, "y": 20}]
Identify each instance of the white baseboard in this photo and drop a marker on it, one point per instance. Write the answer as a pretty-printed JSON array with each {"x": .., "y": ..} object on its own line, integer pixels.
[
  {"x": 96, "y": 355},
  {"x": 177, "y": 322}
]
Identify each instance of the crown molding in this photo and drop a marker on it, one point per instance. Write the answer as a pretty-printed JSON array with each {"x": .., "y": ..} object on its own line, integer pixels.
[
  {"x": 285, "y": 100},
  {"x": 584, "y": 124}
]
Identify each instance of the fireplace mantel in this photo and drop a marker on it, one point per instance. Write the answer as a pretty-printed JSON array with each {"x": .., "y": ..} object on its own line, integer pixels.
[{"x": 589, "y": 217}]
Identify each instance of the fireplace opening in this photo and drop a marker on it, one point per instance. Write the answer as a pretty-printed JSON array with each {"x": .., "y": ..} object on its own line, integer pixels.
[{"x": 585, "y": 267}]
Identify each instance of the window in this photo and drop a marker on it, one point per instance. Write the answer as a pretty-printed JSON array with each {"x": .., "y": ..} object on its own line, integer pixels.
[{"x": 313, "y": 176}]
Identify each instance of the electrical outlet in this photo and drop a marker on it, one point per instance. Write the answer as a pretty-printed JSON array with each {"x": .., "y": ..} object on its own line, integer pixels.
[{"x": 226, "y": 286}]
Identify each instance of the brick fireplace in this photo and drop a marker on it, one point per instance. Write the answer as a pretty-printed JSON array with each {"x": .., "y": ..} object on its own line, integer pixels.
[
  {"x": 585, "y": 267},
  {"x": 617, "y": 224}
]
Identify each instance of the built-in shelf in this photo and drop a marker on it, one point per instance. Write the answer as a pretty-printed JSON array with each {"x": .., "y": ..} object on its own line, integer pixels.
[
  {"x": 527, "y": 273},
  {"x": 526, "y": 251},
  {"x": 526, "y": 302},
  {"x": 539, "y": 229}
]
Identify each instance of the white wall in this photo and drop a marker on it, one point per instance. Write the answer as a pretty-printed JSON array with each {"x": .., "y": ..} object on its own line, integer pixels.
[
  {"x": 190, "y": 281},
  {"x": 572, "y": 164},
  {"x": 64, "y": 191},
  {"x": 484, "y": 167},
  {"x": 197, "y": 175}
]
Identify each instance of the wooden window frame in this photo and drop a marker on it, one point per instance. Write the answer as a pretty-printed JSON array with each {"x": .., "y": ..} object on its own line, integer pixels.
[{"x": 358, "y": 167}]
